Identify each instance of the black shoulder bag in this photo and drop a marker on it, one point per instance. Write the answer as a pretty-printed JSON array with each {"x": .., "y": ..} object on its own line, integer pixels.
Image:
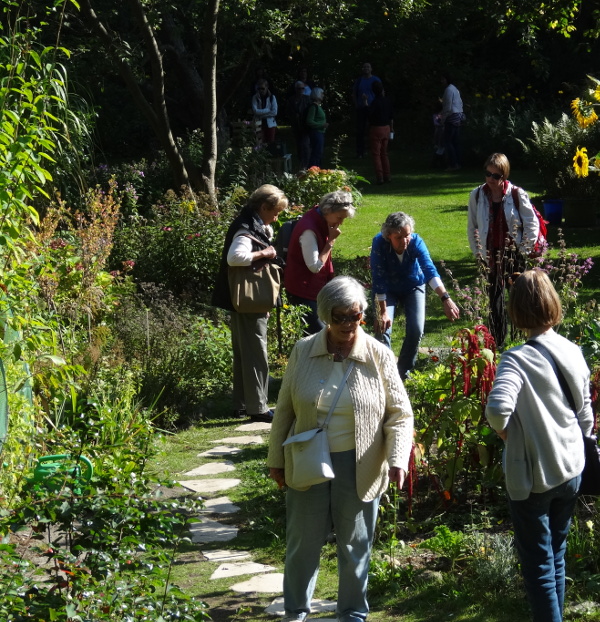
[{"x": 590, "y": 477}]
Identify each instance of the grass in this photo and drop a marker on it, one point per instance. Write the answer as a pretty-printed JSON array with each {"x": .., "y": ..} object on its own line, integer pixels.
[{"x": 437, "y": 200}]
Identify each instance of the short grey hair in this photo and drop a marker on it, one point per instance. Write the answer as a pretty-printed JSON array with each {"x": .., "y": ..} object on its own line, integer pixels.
[
  {"x": 342, "y": 292},
  {"x": 336, "y": 201},
  {"x": 396, "y": 221},
  {"x": 317, "y": 94}
]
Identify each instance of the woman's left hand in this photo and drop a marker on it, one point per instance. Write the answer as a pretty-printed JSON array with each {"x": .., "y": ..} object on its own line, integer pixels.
[{"x": 397, "y": 475}]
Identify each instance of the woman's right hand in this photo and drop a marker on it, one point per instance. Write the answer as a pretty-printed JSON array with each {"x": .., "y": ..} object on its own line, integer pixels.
[
  {"x": 334, "y": 233},
  {"x": 279, "y": 476},
  {"x": 382, "y": 323}
]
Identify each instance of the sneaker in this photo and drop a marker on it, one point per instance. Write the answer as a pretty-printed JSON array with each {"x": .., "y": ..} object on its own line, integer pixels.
[
  {"x": 267, "y": 417},
  {"x": 299, "y": 617}
]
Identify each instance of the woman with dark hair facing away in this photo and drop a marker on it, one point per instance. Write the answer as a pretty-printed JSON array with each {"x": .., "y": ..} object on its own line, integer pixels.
[
  {"x": 502, "y": 229},
  {"x": 381, "y": 128},
  {"x": 248, "y": 240},
  {"x": 542, "y": 432},
  {"x": 343, "y": 371},
  {"x": 309, "y": 267},
  {"x": 452, "y": 117},
  {"x": 400, "y": 269}
]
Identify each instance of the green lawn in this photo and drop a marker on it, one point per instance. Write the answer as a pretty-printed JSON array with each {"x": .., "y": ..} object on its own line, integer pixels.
[{"x": 437, "y": 200}]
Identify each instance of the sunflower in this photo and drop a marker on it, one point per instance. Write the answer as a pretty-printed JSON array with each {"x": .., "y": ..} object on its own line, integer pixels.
[
  {"x": 583, "y": 112},
  {"x": 596, "y": 93},
  {"x": 581, "y": 162}
]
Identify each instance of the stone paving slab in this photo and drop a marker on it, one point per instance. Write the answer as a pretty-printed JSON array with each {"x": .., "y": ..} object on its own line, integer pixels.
[
  {"x": 220, "y": 451},
  {"x": 241, "y": 440},
  {"x": 224, "y": 555},
  {"x": 212, "y": 531},
  {"x": 220, "y": 505},
  {"x": 211, "y": 468},
  {"x": 271, "y": 583},
  {"x": 316, "y": 606},
  {"x": 255, "y": 426},
  {"x": 207, "y": 486},
  {"x": 237, "y": 569}
]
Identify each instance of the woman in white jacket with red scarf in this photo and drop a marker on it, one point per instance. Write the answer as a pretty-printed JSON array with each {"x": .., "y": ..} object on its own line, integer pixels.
[{"x": 502, "y": 230}]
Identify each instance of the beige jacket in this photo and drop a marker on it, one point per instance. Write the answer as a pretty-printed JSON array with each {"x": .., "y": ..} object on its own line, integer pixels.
[{"x": 384, "y": 417}]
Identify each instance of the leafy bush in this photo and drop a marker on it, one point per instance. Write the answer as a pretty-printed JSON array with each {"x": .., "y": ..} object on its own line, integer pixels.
[
  {"x": 183, "y": 358},
  {"x": 178, "y": 247},
  {"x": 307, "y": 189},
  {"x": 551, "y": 150},
  {"x": 103, "y": 552}
]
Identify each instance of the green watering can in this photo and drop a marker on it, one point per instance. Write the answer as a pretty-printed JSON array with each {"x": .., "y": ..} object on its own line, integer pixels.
[{"x": 62, "y": 465}]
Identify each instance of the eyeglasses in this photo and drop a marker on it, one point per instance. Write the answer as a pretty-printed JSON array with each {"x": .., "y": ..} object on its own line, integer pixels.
[
  {"x": 495, "y": 176},
  {"x": 347, "y": 319}
]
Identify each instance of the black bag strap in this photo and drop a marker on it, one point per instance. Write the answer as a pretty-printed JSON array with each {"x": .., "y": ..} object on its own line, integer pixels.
[{"x": 561, "y": 378}]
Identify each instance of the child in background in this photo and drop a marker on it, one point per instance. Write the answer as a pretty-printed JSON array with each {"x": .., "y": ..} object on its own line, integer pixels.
[{"x": 438, "y": 136}]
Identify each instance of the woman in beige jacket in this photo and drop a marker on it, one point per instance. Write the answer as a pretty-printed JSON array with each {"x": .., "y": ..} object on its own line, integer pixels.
[{"x": 370, "y": 439}]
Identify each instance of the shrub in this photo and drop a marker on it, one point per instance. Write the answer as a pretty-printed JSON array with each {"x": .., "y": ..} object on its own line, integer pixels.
[
  {"x": 551, "y": 150},
  {"x": 184, "y": 359},
  {"x": 306, "y": 189},
  {"x": 178, "y": 247}
]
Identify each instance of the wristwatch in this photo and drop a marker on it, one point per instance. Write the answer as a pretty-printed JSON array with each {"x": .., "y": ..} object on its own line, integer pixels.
[{"x": 445, "y": 296}]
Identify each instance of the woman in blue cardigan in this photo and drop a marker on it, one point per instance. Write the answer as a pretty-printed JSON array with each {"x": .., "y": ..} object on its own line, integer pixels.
[{"x": 400, "y": 268}]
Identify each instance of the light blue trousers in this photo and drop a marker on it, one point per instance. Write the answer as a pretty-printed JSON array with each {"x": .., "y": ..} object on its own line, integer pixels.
[
  {"x": 310, "y": 517},
  {"x": 414, "y": 310}
]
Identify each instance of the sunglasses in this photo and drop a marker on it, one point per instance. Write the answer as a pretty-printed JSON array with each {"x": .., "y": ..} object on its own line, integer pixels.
[
  {"x": 495, "y": 176},
  {"x": 347, "y": 319}
]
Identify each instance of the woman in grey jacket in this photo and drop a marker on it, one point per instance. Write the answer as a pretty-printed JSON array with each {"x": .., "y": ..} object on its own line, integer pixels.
[{"x": 543, "y": 456}]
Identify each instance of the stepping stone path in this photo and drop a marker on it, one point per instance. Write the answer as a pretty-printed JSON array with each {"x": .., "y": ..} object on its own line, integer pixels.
[{"x": 230, "y": 563}]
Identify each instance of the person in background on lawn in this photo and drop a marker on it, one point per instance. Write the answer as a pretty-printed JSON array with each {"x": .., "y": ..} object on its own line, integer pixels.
[
  {"x": 297, "y": 106},
  {"x": 362, "y": 94},
  {"x": 309, "y": 267},
  {"x": 370, "y": 439},
  {"x": 502, "y": 229},
  {"x": 316, "y": 122},
  {"x": 381, "y": 128},
  {"x": 452, "y": 116},
  {"x": 400, "y": 269},
  {"x": 248, "y": 239},
  {"x": 542, "y": 433},
  {"x": 264, "y": 107}
]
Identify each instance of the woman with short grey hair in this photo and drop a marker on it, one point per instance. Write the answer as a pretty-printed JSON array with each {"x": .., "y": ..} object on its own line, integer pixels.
[
  {"x": 341, "y": 292},
  {"x": 370, "y": 439},
  {"x": 335, "y": 201},
  {"x": 309, "y": 266},
  {"x": 316, "y": 122},
  {"x": 400, "y": 269}
]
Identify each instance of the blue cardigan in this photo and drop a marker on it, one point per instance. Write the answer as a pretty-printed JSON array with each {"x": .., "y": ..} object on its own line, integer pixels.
[{"x": 394, "y": 277}]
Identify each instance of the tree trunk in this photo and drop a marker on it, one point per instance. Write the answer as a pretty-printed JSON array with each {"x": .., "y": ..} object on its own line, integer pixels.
[
  {"x": 155, "y": 113},
  {"x": 209, "y": 151}
]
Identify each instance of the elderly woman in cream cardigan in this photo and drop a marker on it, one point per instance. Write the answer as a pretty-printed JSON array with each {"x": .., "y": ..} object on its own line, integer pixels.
[{"x": 370, "y": 439}]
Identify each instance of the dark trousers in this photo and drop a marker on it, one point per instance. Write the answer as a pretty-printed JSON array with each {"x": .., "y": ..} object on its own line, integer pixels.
[
  {"x": 362, "y": 121},
  {"x": 451, "y": 136}
]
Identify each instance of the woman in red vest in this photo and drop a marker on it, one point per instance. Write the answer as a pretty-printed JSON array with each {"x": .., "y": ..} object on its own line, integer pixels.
[{"x": 309, "y": 266}]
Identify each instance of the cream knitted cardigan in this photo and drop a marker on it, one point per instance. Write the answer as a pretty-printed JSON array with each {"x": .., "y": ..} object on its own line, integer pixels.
[{"x": 383, "y": 415}]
